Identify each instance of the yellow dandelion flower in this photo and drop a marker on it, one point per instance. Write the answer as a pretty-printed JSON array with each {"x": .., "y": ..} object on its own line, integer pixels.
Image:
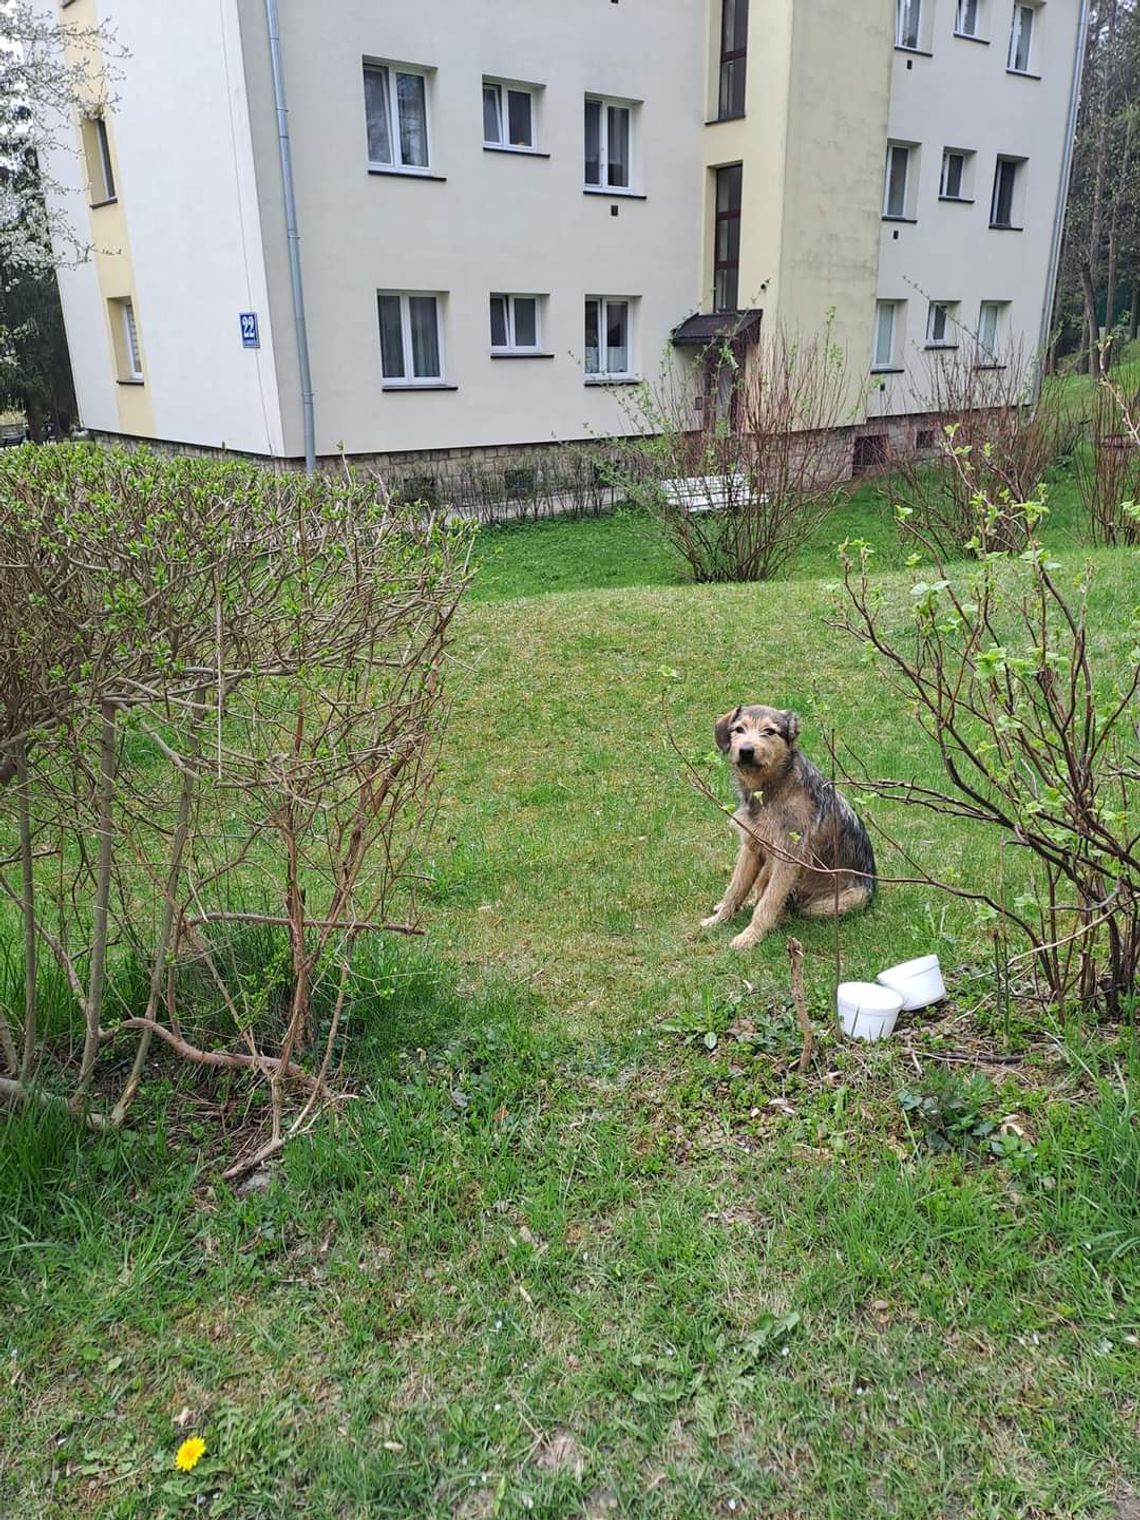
[{"x": 189, "y": 1454}]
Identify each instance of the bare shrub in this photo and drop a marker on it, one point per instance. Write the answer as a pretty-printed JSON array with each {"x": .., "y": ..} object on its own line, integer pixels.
[
  {"x": 223, "y": 692},
  {"x": 984, "y": 411},
  {"x": 1035, "y": 723},
  {"x": 741, "y": 485},
  {"x": 1108, "y": 470}
]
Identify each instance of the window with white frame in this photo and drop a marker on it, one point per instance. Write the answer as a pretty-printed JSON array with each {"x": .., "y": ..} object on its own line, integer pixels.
[
  {"x": 411, "y": 343},
  {"x": 897, "y": 180},
  {"x": 125, "y": 339},
  {"x": 942, "y": 325},
  {"x": 1021, "y": 38},
  {"x": 609, "y": 144},
  {"x": 608, "y": 351},
  {"x": 968, "y": 18},
  {"x": 957, "y": 164},
  {"x": 888, "y": 327},
  {"x": 1005, "y": 206},
  {"x": 990, "y": 317},
  {"x": 97, "y": 155},
  {"x": 908, "y": 23},
  {"x": 396, "y": 110},
  {"x": 514, "y": 324},
  {"x": 508, "y": 115}
]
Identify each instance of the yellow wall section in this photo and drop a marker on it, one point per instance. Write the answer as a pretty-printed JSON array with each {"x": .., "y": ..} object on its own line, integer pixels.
[
  {"x": 111, "y": 247},
  {"x": 812, "y": 153}
]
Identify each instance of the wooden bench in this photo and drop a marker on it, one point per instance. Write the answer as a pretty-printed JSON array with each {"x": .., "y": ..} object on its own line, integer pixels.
[
  {"x": 706, "y": 493},
  {"x": 12, "y": 434}
]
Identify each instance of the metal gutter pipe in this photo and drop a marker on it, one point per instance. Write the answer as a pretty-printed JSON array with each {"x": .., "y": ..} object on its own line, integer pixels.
[{"x": 293, "y": 235}]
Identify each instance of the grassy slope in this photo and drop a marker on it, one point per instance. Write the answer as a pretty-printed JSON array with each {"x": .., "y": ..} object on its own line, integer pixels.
[{"x": 543, "y": 1242}]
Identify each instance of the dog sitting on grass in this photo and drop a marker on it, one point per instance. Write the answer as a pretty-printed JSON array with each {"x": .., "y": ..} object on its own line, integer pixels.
[{"x": 796, "y": 830}]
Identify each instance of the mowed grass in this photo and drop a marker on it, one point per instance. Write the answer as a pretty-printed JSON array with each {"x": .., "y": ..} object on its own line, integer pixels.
[{"x": 557, "y": 1256}]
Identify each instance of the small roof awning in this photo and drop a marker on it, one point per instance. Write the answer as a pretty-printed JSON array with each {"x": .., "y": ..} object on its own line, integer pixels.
[{"x": 714, "y": 327}]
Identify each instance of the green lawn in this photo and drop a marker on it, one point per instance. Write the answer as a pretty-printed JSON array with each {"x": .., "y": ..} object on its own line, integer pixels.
[{"x": 558, "y": 1256}]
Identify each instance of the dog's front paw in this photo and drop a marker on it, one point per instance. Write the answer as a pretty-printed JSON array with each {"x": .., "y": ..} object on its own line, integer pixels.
[
  {"x": 714, "y": 918},
  {"x": 746, "y": 939}
]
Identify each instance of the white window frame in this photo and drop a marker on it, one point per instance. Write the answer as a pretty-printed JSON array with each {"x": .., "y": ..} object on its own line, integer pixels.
[
  {"x": 511, "y": 346},
  {"x": 966, "y": 155},
  {"x": 100, "y": 141},
  {"x": 961, "y": 15},
  {"x": 504, "y": 87},
  {"x": 408, "y": 381},
  {"x": 908, "y": 21},
  {"x": 603, "y": 376},
  {"x": 910, "y": 150},
  {"x": 128, "y": 350},
  {"x": 1024, "y": 16},
  {"x": 880, "y": 366},
  {"x": 1015, "y": 199},
  {"x": 942, "y": 314},
  {"x": 394, "y": 71},
  {"x": 606, "y": 104},
  {"x": 988, "y": 353}
]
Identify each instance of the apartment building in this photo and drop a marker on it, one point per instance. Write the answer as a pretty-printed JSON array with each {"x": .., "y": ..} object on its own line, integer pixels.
[{"x": 496, "y": 217}]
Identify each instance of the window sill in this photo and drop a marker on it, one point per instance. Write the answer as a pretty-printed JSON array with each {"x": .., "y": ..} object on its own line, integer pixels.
[
  {"x": 111, "y": 200},
  {"x": 989, "y": 366},
  {"x": 913, "y": 52},
  {"x": 612, "y": 380},
  {"x": 1022, "y": 74},
  {"x": 1005, "y": 227},
  {"x": 625, "y": 195},
  {"x": 958, "y": 200},
  {"x": 715, "y": 121},
  {"x": 518, "y": 152},
  {"x": 420, "y": 385},
  {"x": 406, "y": 173},
  {"x": 941, "y": 348},
  {"x": 969, "y": 37},
  {"x": 521, "y": 353},
  {"x": 911, "y": 221},
  {"x": 131, "y": 381},
  {"x": 888, "y": 369}
]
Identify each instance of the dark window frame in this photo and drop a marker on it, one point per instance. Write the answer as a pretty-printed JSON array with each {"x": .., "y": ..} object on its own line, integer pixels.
[
  {"x": 728, "y": 267},
  {"x": 732, "y": 77}
]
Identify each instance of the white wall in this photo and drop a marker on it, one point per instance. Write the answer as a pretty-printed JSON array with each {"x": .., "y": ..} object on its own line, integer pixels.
[
  {"x": 187, "y": 200},
  {"x": 499, "y": 222},
  {"x": 963, "y": 97}
]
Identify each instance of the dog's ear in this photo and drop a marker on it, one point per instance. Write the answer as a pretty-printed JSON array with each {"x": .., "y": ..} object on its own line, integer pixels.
[
  {"x": 791, "y": 726},
  {"x": 723, "y": 724}
]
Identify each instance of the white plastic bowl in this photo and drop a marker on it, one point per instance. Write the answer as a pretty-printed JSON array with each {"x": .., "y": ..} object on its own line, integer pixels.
[
  {"x": 919, "y": 982},
  {"x": 866, "y": 1010}
]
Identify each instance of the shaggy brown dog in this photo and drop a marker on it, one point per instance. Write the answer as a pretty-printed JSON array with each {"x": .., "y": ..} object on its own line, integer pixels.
[{"x": 791, "y": 819}]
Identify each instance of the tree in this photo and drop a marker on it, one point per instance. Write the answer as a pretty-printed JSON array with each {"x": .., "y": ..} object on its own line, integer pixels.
[
  {"x": 49, "y": 72},
  {"x": 1101, "y": 254}
]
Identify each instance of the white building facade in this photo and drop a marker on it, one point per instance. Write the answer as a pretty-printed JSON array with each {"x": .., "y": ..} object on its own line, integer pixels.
[{"x": 505, "y": 212}]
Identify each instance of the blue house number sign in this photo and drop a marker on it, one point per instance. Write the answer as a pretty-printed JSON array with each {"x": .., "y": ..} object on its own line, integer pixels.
[{"x": 249, "y": 335}]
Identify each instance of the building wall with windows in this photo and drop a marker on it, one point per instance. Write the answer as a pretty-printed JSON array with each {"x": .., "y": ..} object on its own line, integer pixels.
[
  {"x": 506, "y": 210},
  {"x": 180, "y": 240},
  {"x": 479, "y": 220},
  {"x": 962, "y": 91}
]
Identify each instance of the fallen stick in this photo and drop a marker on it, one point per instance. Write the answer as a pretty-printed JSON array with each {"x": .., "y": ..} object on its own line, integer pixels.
[{"x": 796, "y": 956}]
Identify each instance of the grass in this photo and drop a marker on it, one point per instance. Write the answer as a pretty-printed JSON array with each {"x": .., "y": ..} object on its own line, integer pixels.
[
  {"x": 558, "y": 1256},
  {"x": 629, "y": 548}
]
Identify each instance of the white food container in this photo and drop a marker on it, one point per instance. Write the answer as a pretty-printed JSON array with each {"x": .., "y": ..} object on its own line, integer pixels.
[
  {"x": 918, "y": 982},
  {"x": 866, "y": 1010}
]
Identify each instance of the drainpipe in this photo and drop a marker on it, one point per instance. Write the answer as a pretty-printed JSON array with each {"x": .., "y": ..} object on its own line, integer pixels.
[
  {"x": 1062, "y": 200},
  {"x": 293, "y": 236}
]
